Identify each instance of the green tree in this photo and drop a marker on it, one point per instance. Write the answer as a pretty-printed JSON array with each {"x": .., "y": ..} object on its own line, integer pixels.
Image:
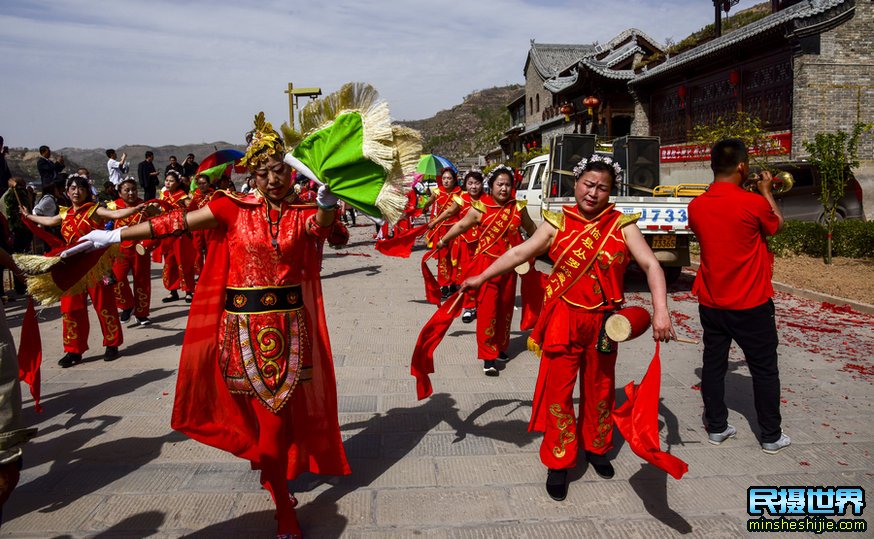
[
  {"x": 745, "y": 127},
  {"x": 834, "y": 155}
]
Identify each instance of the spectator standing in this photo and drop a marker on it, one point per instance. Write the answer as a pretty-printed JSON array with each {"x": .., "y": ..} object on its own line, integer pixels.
[
  {"x": 48, "y": 169},
  {"x": 117, "y": 168},
  {"x": 22, "y": 237},
  {"x": 175, "y": 166},
  {"x": 5, "y": 173},
  {"x": 148, "y": 176},
  {"x": 189, "y": 167},
  {"x": 734, "y": 291}
]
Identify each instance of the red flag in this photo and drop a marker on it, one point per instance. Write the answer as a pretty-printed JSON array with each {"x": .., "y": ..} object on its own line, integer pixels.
[
  {"x": 430, "y": 337},
  {"x": 432, "y": 287},
  {"x": 30, "y": 353},
  {"x": 638, "y": 421},
  {"x": 402, "y": 244},
  {"x": 532, "y": 297},
  {"x": 53, "y": 241}
]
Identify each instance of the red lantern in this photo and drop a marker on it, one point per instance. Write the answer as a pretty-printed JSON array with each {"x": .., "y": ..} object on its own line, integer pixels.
[
  {"x": 591, "y": 102},
  {"x": 734, "y": 80},
  {"x": 567, "y": 109},
  {"x": 681, "y": 93}
]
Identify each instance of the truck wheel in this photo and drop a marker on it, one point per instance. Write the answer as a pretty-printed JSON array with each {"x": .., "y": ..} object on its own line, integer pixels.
[{"x": 672, "y": 273}]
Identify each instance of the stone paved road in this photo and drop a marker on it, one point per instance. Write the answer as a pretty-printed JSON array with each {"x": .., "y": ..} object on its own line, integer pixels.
[{"x": 460, "y": 464}]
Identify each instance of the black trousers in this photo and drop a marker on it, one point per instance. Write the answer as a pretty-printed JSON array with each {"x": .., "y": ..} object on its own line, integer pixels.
[{"x": 755, "y": 331}]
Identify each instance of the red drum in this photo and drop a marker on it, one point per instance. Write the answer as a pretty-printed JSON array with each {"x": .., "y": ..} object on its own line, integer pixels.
[{"x": 628, "y": 323}]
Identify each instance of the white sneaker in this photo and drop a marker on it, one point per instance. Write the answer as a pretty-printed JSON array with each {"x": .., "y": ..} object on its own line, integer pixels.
[
  {"x": 717, "y": 438},
  {"x": 772, "y": 448}
]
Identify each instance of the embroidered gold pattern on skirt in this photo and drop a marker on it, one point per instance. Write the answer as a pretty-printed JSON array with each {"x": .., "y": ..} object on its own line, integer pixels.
[
  {"x": 564, "y": 422},
  {"x": 264, "y": 353}
]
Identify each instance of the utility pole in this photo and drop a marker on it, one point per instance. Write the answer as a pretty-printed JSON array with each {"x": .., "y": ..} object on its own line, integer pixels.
[{"x": 294, "y": 94}]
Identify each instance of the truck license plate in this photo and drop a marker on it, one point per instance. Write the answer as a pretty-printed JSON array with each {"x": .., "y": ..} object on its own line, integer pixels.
[{"x": 664, "y": 241}]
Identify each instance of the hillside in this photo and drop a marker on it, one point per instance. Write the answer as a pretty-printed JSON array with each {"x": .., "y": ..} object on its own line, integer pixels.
[
  {"x": 22, "y": 161},
  {"x": 471, "y": 128}
]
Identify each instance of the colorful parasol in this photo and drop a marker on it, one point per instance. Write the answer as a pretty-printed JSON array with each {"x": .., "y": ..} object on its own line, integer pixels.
[
  {"x": 215, "y": 164},
  {"x": 430, "y": 165}
]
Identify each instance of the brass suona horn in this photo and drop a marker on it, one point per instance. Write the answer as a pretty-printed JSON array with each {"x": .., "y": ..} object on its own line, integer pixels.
[{"x": 783, "y": 182}]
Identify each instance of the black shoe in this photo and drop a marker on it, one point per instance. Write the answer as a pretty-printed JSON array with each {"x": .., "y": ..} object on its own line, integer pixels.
[
  {"x": 189, "y": 297},
  {"x": 503, "y": 357},
  {"x": 69, "y": 360},
  {"x": 603, "y": 469},
  {"x": 556, "y": 484},
  {"x": 125, "y": 315},
  {"x": 444, "y": 292},
  {"x": 174, "y": 296},
  {"x": 468, "y": 316},
  {"x": 111, "y": 353},
  {"x": 489, "y": 368},
  {"x": 143, "y": 321}
]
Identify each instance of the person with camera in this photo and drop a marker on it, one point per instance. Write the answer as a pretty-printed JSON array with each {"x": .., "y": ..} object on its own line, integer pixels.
[
  {"x": 734, "y": 291},
  {"x": 116, "y": 168}
]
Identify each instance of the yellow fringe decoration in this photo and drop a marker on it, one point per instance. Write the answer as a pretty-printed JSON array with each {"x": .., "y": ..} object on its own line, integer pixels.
[
  {"x": 39, "y": 281},
  {"x": 534, "y": 347},
  {"x": 392, "y": 198},
  {"x": 378, "y": 137}
]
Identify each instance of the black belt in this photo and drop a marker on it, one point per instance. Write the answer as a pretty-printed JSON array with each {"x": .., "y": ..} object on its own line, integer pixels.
[{"x": 268, "y": 299}]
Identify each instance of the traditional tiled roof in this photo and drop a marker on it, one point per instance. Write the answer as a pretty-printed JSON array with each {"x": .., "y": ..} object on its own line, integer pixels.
[
  {"x": 552, "y": 59},
  {"x": 797, "y": 17}
]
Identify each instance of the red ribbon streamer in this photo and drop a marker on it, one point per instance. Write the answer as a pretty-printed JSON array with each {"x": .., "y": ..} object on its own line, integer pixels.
[
  {"x": 638, "y": 421},
  {"x": 30, "y": 353},
  {"x": 402, "y": 244},
  {"x": 53, "y": 241},
  {"x": 430, "y": 337}
]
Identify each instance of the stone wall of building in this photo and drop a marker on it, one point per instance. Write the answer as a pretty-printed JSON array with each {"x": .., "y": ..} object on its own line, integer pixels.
[
  {"x": 640, "y": 122},
  {"x": 835, "y": 89},
  {"x": 533, "y": 89}
]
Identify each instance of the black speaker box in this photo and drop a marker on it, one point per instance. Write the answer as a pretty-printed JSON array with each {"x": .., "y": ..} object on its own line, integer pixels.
[
  {"x": 566, "y": 152},
  {"x": 639, "y": 159}
]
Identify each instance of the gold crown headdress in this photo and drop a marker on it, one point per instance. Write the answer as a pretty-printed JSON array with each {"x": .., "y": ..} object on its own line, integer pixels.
[{"x": 263, "y": 142}]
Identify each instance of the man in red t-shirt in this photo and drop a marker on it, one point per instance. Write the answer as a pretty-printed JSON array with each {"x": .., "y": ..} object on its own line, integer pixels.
[{"x": 734, "y": 291}]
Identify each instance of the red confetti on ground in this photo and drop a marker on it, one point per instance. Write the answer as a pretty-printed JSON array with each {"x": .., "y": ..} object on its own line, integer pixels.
[
  {"x": 807, "y": 327},
  {"x": 861, "y": 369},
  {"x": 165, "y": 393},
  {"x": 685, "y": 297},
  {"x": 804, "y": 463},
  {"x": 696, "y": 387},
  {"x": 842, "y": 463},
  {"x": 784, "y": 401},
  {"x": 826, "y": 306},
  {"x": 826, "y": 425}
]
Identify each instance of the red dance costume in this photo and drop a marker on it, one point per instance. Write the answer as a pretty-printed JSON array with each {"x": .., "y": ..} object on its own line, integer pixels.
[
  {"x": 498, "y": 233},
  {"x": 442, "y": 201},
  {"x": 178, "y": 251},
  {"x": 464, "y": 248},
  {"x": 139, "y": 265},
  {"x": 585, "y": 284},
  {"x": 200, "y": 238},
  {"x": 75, "y": 224},
  {"x": 256, "y": 377}
]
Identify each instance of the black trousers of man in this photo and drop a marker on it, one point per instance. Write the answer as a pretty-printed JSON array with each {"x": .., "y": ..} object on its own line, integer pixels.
[{"x": 755, "y": 331}]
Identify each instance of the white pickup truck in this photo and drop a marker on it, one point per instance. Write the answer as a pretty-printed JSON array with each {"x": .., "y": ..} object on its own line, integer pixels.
[{"x": 664, "y": 220}]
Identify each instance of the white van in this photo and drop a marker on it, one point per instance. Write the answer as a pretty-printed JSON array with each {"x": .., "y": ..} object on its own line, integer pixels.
[{"x": 531, "y": 187}]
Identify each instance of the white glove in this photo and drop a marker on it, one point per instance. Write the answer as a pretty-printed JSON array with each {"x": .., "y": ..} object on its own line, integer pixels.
[
  {"x": 325, "y": 198},
  {"x": 101, "y": 238}
]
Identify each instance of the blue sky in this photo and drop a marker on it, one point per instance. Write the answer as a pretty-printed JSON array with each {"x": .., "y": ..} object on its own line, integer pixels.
[{"x": 102, "y": 74}]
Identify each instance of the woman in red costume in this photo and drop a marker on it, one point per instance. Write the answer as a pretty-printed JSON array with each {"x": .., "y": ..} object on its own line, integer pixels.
[
  {"x": 441, "y": 199},
  {"x": 134, "y": 302},
  {"x": 464, "y": 249},
  {"x": 79, "y": 219},
  {"x": 178, "y": 252},
  {"x": 256, "y": 375},
  {"x": 498, "y": 217},
  {"x": 200, "y": 238},
  {"x": 591, "y": 244}
]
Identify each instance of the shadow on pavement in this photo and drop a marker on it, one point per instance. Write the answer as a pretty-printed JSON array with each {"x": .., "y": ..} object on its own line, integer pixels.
[
  {"x": 650, "y": 485},
  {"x": 140, "y": 525},
  {"x": 739, "y": 394},
  {"x": 371, "y": 271}
]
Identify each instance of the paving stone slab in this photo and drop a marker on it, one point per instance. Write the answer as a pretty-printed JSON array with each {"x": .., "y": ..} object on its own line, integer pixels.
[
  {"x": 70, "y": 514},
  {"x": 433, "y": 445},
  {"x": 439, "y": 506},
  {"x": 180, "y": 511}
]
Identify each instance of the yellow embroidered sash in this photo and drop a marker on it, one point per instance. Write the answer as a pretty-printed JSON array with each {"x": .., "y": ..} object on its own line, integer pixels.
[
  {"x": 494, "y": 226},
  {"x": 573, "y": 263}
]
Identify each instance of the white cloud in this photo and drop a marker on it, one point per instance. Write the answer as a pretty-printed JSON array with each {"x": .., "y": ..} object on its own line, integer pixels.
[{"x": 162, "y": 72}]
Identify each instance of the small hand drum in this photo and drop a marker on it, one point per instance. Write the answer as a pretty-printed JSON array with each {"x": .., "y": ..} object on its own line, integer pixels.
[{"x": 628, "y": 323}]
